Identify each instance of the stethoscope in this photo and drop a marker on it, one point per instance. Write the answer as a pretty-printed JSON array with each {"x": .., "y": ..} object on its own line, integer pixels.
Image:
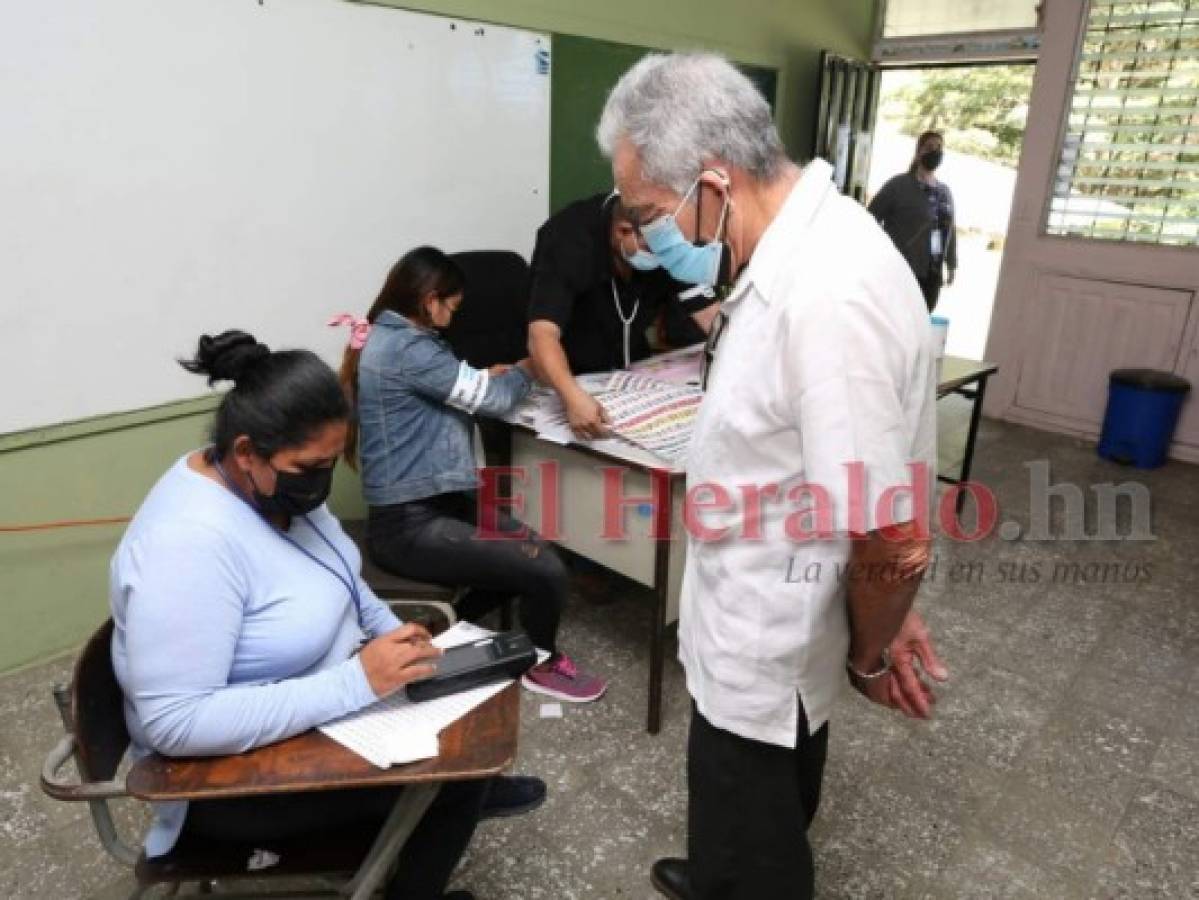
[
  {"x": 626, "y": 323},
  {"x": 349, "y": 582}
]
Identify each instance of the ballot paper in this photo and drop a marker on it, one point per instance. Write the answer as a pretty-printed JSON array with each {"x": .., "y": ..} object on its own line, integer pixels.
[
  {"x": 543, "y": 412},
  {"x": 644, "y": 410},
  {"x": 395, "y": 730},
  {"x": 651, "y": 413},
  {"x": 542, "y": 409}
]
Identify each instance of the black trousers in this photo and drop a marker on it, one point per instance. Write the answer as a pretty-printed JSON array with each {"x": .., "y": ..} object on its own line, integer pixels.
[
  {"x": 930, "y": 286},
  {"x": 749, "y": 807},
  {"x": 435, "y": 540},
  {"x": 426, "y": 862}
]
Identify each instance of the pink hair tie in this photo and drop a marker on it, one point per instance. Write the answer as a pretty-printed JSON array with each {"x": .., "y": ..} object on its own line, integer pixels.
[{"x": 360, "y": 329}]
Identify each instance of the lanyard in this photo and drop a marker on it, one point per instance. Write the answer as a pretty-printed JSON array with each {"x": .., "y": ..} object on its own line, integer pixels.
[
  {"x": 348, "y": 582},
  {"x": 626, "y": 323}
]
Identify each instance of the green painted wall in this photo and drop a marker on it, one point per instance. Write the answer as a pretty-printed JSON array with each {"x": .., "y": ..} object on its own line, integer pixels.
[
  {"x": 584, "y": 71},
  {"x": 53, "y": 584}
]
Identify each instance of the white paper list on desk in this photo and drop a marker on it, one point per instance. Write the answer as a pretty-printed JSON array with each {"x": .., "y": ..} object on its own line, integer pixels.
[
  {"x": 395, "y": 730},
  {"x": 647, "y": 414}
]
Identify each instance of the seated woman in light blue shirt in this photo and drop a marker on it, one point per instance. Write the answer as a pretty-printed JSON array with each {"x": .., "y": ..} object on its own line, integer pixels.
[{"x": 240, "y": 613}]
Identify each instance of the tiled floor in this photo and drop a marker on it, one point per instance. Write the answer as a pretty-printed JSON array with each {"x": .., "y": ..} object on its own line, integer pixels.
[{"x": 1063, "y": 762}]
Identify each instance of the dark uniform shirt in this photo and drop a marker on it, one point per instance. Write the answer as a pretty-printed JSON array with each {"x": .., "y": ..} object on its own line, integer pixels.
[
  {"x": 572, "y": 285},
  {"x": 909, "y": 211}
]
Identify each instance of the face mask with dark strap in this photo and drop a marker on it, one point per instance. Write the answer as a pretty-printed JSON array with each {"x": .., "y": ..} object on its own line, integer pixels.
[
  {"x": 301, "y": 492},
  {"x": 687, "y": 261}
]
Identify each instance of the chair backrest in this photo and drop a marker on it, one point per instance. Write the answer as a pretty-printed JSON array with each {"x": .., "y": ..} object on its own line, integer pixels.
[
  {"x": 98, "y": 709},
  {"x": 492, "y": 325}
]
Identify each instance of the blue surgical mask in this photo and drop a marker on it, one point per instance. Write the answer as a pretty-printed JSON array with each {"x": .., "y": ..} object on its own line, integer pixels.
[
  {"x": 642, "y": 261},
  {"x": 685, "y": 261}
]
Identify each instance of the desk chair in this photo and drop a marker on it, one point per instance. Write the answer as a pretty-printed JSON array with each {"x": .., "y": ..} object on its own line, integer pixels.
[
  {"x": 92, "y": 710},
  {"x": 492, "y": 326}
]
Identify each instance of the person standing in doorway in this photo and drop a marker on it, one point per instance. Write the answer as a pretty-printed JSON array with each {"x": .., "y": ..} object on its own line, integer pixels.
[{"x": 916, "y": 210}]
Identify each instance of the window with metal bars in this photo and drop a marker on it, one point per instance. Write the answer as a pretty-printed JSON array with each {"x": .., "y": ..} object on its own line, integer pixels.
[{"x": 1128, "y": 169}]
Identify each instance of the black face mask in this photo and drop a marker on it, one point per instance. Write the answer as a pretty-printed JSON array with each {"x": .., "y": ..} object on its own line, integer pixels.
[
  {"x": 931, "y": 159},
  {"x": 296, "y": 493}
]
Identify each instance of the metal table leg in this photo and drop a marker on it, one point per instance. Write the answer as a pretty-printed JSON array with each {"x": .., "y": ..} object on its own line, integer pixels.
[
  {"x": 414, "y": 800},
  {"x": 975, "y": 417},
  {"x": 975, "y": 395},
  {"x": 663, "y": 489}
]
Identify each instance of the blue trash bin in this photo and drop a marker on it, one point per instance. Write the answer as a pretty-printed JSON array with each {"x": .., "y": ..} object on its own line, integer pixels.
[{"x": 1142, "y": 410}]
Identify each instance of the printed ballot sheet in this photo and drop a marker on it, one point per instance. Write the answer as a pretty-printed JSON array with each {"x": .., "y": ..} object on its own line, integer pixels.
[
  {"x": 543, "y": 411},
  {"x": 653, "y": 414},
  {"x": 652, "y": 406},
  {"x": 395, "y": 730}
]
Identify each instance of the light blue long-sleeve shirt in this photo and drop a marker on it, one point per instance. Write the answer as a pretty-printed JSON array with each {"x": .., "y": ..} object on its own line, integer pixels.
[{"x": 227, "y": 636}]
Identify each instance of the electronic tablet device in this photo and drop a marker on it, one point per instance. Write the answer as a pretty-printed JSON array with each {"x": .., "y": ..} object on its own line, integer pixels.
[{"x": 503, "y": 656}]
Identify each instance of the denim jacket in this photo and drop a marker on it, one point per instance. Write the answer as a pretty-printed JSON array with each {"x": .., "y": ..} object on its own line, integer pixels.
[{"x": 416, "y": 400}]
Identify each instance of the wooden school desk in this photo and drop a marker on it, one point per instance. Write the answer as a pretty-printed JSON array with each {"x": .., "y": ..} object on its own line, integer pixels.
[{"x": 479, "y": 745}]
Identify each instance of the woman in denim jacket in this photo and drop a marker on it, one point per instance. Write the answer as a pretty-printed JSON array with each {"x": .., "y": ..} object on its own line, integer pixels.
[{"x": 415, "y": 444}]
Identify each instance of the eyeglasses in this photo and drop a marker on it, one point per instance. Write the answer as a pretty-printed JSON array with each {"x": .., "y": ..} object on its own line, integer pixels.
[
  {"x": 452, "y": 307},
  {"x": 715, "y": 333}
]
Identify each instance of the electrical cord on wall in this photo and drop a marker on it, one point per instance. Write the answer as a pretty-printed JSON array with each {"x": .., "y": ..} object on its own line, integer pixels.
[{"x": 66, "y": 523}]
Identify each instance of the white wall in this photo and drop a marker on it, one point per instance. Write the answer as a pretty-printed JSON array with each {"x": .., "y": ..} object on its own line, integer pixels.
[{"x": 171, "y": 167}]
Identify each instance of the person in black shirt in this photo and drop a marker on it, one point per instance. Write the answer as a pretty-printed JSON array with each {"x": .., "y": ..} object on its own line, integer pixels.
[
  {"x": 589, "y": 309},
  {"x": 916, "y": 210}
]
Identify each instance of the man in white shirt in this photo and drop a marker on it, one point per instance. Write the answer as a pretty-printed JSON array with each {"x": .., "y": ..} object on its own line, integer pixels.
[{"x": 810, "y": 466}]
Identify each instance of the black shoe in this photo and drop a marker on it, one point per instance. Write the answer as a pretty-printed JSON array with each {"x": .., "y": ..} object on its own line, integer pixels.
[
  {"x": 512, "y": 795},
  {"x": 458, "y": 895},
  {"x": 669, "y": 876}
]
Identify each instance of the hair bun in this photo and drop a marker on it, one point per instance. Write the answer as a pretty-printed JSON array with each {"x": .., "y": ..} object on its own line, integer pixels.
[{"x": 226, "y": 357}]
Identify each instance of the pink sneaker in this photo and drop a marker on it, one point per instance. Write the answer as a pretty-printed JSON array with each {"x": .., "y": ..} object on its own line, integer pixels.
[{"x": 558, "y": 677}]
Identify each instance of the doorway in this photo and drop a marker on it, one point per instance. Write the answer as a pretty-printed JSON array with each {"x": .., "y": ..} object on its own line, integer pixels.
[{"x": 982, "y": 111}]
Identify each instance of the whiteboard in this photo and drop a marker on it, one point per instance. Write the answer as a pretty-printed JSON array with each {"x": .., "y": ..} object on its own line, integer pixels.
[{"x": 175, "y": 167}]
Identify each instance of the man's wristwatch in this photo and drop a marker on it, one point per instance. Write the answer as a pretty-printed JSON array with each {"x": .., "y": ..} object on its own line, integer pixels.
[{"x": 877, "y": 673}]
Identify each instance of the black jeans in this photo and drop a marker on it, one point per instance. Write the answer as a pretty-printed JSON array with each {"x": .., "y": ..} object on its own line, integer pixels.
[
  {"x": 749, "y": 807},
  {"x": 426, "y": 862},
  {"x": 436, "y": 539}
]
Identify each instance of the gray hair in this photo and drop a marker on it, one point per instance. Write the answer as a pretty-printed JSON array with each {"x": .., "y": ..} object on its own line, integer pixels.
[{"x": 683, "y": 109}]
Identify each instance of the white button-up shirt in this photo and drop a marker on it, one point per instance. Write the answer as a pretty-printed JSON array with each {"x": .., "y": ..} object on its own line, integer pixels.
[{"x": 826, "y": 361}]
